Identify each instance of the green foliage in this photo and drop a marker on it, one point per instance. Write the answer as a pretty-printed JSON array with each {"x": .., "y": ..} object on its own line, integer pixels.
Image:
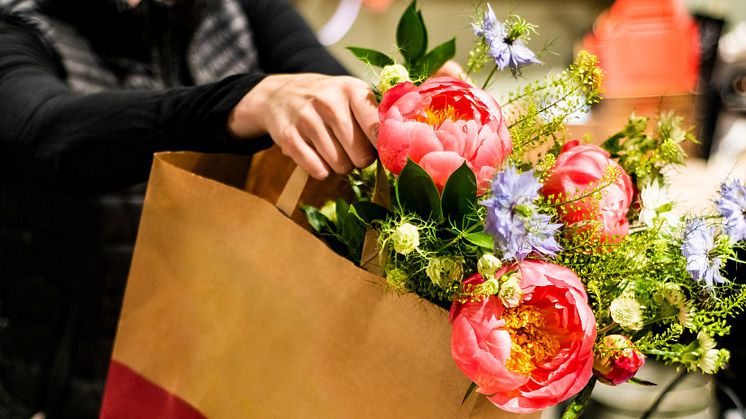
[
  {"x": 416, "y": 192},
  {"x": 539, "y": 112},
  {"x": 578, "y": 403},
  {"x": 371, "y": 57},
  {"x": 637, "y": 285},
  {"x": 643, "y": 156},
  {"x": 343, "y": 232},
  {"x": 460, "y": 197},
  {"x": 411, "y": 35},
  {"x": 412, "y": 43}
]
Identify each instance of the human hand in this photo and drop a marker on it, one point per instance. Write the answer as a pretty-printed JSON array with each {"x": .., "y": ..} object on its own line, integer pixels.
[{"x": 324, "y": 123}]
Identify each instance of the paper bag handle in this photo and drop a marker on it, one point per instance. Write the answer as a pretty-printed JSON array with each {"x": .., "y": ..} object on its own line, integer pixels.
[{"x": 290, "y": 195}]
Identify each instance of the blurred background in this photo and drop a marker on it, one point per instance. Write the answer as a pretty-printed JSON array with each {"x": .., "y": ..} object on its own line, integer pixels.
[
  {"x": 565, "y": 26},
  {"x": 688, "y": 56}
]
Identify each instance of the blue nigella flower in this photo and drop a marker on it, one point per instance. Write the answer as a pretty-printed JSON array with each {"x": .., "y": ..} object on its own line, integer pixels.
[
  {"x": 506, "y": 47},
  {"x": 513, "y": 219},
  {"x": 732, "y": 206},
  {"x": 699, "y": 250}
]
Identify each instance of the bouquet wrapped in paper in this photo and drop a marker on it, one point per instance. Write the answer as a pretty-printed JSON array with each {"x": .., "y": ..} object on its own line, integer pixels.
[{"x": 562, "y": 263}]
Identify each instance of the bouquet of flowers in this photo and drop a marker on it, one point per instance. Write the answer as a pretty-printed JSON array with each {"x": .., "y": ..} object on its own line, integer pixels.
[{"x": 562, "y": 263}]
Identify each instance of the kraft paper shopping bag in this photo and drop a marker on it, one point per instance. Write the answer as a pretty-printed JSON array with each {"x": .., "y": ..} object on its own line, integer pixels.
[{"x": 232, "y": 310}]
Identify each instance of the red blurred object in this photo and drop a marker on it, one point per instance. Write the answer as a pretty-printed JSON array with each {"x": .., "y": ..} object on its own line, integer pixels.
[
  {"x": 646, "y": 47},
  {"x": 377, "y": 6}
]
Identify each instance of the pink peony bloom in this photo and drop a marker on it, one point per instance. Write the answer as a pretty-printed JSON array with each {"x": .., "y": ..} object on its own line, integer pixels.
[
  {"x": 532, "y": 356},
  {"x": 578, "y": 171},
  {"x": 617, "y": 360},
  {"x": 441, "y": 124}
]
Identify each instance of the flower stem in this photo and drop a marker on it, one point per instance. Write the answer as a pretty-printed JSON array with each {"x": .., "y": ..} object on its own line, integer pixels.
[
  {"x": 489, "y": 77},
  {"x": 606, "y": 329},
  {"x": 578, "y": 404}
]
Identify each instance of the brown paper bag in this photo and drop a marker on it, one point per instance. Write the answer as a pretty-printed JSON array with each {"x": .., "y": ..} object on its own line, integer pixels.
[{"x": 234, "y": 311}]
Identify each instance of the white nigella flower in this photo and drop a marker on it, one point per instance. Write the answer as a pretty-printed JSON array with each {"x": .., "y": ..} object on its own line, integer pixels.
[
  {"x": 406, "y": 238},
  {"x": 656, "y": 203},
  {"x": 686, "y": 316},
  {"x": 708, "y": 355},
  {"x": 708, "y": 362},
  {"x": 511, "y": 293},
  {"x": 674, "y": 296},
  {"x": 487, "y": 265},
  {"x": 627, "y": 312}
]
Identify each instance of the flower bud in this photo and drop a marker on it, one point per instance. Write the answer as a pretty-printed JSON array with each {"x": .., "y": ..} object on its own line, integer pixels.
[
  {"x": 616, "y": 360},
  {"x": 391, "y": 75},
  {"x": 405, "y": 238},
  {"x": 511, "y": 293},
  {"x": 487, "y": 265},
  {"x": 444, "y": 271}
]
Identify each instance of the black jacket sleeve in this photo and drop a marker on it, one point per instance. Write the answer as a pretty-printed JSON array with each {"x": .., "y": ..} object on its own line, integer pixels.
[{"x": 105, "y": 141}]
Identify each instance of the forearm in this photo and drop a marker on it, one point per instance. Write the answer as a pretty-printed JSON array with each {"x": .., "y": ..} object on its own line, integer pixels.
[{"x": 103, "y": 141}]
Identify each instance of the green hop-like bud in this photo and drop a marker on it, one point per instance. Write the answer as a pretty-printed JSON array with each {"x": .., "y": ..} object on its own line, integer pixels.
[
  {"x": 405, "y": 238},
  {"x": 446, "y": 270},
  {"x": 396, "y": 279},
  {"x": 391, "y": 75},
  {"x": 487, "y": 265}
]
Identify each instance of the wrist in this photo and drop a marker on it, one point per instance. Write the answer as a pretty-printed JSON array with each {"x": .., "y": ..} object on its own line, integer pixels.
[{"x": 247, "y": 118}]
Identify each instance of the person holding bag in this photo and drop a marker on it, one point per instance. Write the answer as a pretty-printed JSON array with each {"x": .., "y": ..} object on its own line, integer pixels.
[{"x": 89, "y": 90}]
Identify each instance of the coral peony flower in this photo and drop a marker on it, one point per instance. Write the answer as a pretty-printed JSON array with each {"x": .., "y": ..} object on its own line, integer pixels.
[
  {"x": 441, "y": 124},
  {"x": 531, "y": 356},
  {"x": 578, "y": 172},
  {"x": 617, "y": 360}
]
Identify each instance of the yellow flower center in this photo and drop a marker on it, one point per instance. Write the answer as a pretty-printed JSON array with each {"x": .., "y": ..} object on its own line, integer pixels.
[
  {"x": 435, "y": 117},
  {"x": 531, "y": 344}
]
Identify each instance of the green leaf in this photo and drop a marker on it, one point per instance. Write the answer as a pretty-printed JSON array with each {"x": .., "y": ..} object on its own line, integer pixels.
[
  {"x": 460, "y": 195},
  {"x": 416, "y": 192},
  {"x": 351, "y": 231},
  {"x": 640, "y": 382},
  {"x": 368, "y": 212},
  {"x": 316, "y": 219},
  {"x": 612, "y": 144},
  {"x": 481, "y": 239},
  {"x": 372, "y": 57},
  {"x": 435, "y": 59},
  {"x": 411, "y": 35},
  {"x": 471, "y": 389}
]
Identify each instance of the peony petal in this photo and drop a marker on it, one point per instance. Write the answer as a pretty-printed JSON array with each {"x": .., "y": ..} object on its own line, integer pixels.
[
  {"x": 397, "y": 140},
  {"x": 392, "y": 95},
  {"x": 560, "y": 295},
  {"x": 452, "y": 137},
  {"x": 440, "y": 165}
]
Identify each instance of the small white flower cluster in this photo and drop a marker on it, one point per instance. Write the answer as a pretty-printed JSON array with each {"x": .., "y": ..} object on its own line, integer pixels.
[
  {"x": 507, "y": 288},
  {"x": 406, "y": 238},
  {"x": 656, "y": 204}
]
